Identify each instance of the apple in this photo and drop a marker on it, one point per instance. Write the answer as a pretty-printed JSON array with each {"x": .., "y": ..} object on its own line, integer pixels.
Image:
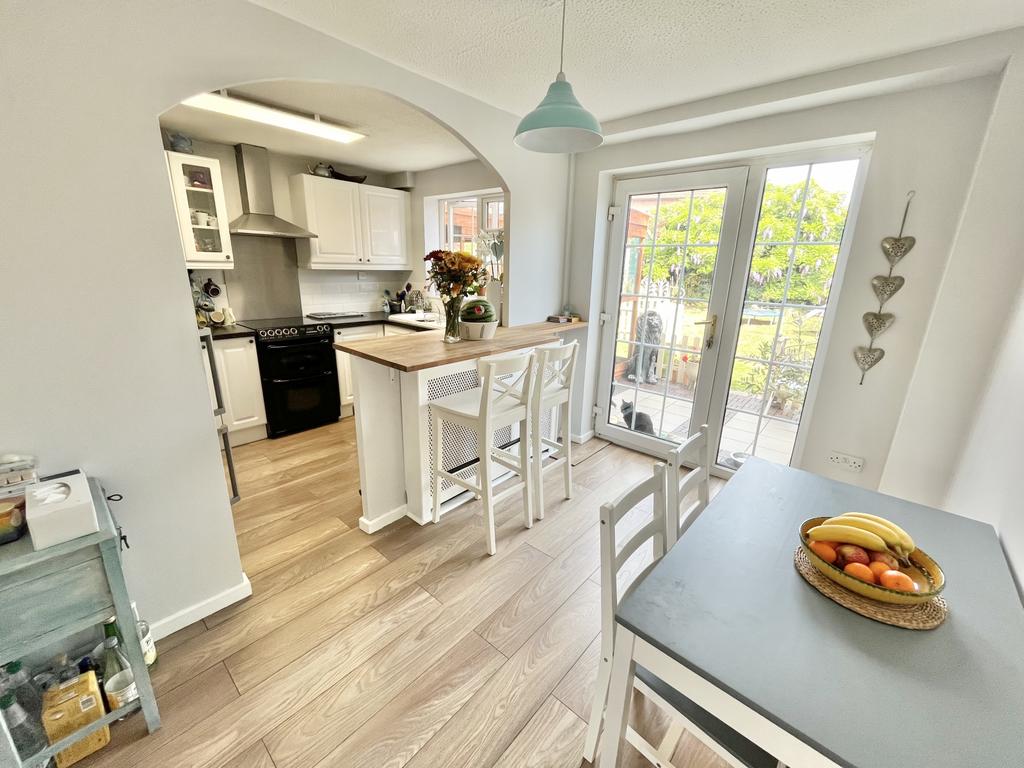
[
  {"x": 885, "y": 557},
  {"x": 851, "y": 553}
]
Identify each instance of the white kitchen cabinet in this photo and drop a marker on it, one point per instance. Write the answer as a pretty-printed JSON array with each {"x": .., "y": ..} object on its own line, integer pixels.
[
  {"x": 394, "y": 329},
  {"x": 344, "y": 363},
  {"x": 330, "y": 209},
  {"x": 385, "y": 222},
  {"x": 357, "y": 225},
  {"x": 240, "y": 384},
  {"x": 201, "y": 209}
]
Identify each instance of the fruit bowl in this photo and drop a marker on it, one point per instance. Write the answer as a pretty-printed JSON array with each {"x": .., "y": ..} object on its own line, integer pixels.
[{"x": 923, "y": 570}]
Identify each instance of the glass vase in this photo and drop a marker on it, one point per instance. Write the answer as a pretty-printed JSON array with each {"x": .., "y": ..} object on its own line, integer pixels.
[{"x": 452, "y": 307}]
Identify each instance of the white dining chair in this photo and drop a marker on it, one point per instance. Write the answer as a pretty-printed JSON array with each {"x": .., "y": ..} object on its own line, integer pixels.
[
  {"x": 694, "y": 453},
  {"x": 735, "y": 749},
  {"x": 552, "y": 390},
  {"x": 503, "y": 399}
]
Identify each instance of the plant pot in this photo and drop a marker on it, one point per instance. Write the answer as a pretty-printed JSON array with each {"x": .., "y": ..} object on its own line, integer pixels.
[{"x": 477, "y": 331}]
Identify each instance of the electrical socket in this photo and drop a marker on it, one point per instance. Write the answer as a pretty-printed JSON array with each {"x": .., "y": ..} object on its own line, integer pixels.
[{"x": 846, "y": 461}]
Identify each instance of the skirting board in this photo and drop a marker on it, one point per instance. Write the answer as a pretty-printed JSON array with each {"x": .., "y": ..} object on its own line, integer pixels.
[
  {"x": 194, "y": 613},
  {"x": 580, "y": 439},
  {"x": 372, "y": 526}
]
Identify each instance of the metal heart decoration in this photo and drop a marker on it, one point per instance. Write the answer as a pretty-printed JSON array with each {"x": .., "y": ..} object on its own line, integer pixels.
[
  {"x": 867, "y": 358},
  {"x": 895, "y": 248},
  {"x": 886, "y": 287},
  {"x": 878, "y": 323}
]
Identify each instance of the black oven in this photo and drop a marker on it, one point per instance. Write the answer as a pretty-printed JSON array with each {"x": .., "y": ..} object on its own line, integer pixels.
[{"x": 300, "y": 378}]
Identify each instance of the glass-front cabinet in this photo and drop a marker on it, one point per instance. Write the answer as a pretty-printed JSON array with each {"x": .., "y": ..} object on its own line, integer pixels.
[{"x": 202, "y": 213}]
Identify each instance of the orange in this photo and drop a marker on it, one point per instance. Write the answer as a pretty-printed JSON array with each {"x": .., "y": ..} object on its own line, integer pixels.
[
  {"x": 897, "y": 580},
  {"x": 860, "y": 571},
  {"x": 824, "y": 551},
  {"x": 878, "y": 568}
]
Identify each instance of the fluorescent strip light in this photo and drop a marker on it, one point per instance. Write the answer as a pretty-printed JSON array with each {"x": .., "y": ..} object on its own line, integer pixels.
[{"x": 257, "y": 113}]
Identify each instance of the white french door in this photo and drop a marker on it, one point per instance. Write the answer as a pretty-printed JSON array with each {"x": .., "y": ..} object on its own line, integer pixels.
[
  {"x": 672, "y": 248},
  {"x": 717, "y": 302}
]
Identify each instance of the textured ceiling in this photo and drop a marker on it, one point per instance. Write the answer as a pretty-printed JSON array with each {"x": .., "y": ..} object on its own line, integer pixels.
[
  {"x": 398, "y": 137},
  {"x": 630, "y": 56}
]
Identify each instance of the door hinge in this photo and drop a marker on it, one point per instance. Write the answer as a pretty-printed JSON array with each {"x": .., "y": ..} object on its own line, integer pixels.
[
  {"x": 603, "y": 318},
  {"x": 613, "y": 211},
  {"x": 596, "y": 410}
]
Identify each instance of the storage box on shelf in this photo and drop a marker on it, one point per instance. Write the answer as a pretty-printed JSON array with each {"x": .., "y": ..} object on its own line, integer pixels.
[
  {"x": 202, "y": 211},
  {"x": 54, "y": 593},
  {"x": 357, "y": 225}
]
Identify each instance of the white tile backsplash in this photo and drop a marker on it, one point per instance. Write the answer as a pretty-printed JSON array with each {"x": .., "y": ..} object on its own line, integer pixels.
[{"x": 330, "y": 290}]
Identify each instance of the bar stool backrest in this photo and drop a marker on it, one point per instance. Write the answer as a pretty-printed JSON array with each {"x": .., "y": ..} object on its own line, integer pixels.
[
  {"x": 507, "y": 381},
  {"x": 556, "y": 367}
]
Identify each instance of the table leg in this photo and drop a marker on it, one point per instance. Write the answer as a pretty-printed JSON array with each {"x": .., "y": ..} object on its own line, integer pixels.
[{"x": 620, "y": 692}]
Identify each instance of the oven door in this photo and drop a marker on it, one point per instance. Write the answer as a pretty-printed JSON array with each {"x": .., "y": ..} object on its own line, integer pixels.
[
  {"x": 297, "y": 404},
  {"x": 296, "y": 359}
]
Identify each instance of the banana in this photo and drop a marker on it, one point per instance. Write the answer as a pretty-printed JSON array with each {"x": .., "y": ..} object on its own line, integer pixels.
[
  {"x": 884, "y": 532},
  {"x": 847, "y": 534},
  {"x": 907, "y": 542}
]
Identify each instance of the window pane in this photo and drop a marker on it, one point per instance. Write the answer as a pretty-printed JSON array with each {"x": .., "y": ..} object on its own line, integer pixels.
[
  {"x": 758, "y": 327},
  {"x": 768, "y": 269},
  {"x": 495, "y": 214},
  {"x": 775, "y": 441},
  {"x": 688, "y": 334},
  {"x": 675, "y": 420},
  {"x": 798, "y": 339},
  {"x": 637, "y": 410},
  {"x": 810, "y": 277},
  {"x": 673, "y": 217},
  {"x": 828, "y": 201},
  {"x": 787, "y": 391},
  {"x": 642, "y": 210},
  {"x": 636, "y": 267},
  {"x": 641, "y": 366},
  {"x": 780, "y": 206},
  {"x": 460, "y": 225},
  {"x": 682, "y": 378},
  {"x": 706, "y": 217},
  {"x": 698, "y": 271},
  {"x": 737, "y": 442},
  {"x": 746, "y": 392}
]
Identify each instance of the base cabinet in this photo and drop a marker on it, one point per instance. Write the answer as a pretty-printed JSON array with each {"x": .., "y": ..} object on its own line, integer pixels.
[
  {"x": 345, "y": 362},
  {"x": 240, "y": 384}
]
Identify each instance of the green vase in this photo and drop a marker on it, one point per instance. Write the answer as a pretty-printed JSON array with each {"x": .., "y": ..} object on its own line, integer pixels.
[{"x": 452, "y": 307}]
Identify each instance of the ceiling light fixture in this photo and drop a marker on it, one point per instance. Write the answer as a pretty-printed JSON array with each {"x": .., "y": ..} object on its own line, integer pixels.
[
  {"x": 559, "y": 123},
  {"x": 258, "y": 113}
]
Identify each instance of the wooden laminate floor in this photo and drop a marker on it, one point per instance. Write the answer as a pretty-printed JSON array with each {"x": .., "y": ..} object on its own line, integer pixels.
[{"x": 409, "y": 647}]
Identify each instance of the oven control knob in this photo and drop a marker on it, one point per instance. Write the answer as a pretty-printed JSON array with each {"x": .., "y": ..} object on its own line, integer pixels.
[
  {"x": 263, "y": 334},
  {"x": 277, "y": 331},
  {"x": 293, "y": 331}
]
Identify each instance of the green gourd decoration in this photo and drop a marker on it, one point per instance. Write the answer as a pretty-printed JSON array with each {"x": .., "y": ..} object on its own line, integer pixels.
[{"x": 477, "y": 311}]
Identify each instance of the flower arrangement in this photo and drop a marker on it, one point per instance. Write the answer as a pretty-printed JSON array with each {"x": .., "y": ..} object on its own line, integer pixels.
[{"x": 455, "y": 274}]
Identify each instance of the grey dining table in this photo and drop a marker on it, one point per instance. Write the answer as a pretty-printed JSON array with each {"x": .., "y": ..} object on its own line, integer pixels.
[{"x": 725, "y": 619}]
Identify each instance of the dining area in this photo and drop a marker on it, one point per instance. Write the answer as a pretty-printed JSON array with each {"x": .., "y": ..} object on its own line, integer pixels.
[{"x": 721, "y": 615}]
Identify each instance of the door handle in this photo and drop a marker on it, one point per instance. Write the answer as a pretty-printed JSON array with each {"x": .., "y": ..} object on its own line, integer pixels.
[{"x": 713, "y": 322}]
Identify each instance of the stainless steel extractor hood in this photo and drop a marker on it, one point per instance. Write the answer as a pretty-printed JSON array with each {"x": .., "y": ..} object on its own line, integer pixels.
[{"x": 257, "y": 198}]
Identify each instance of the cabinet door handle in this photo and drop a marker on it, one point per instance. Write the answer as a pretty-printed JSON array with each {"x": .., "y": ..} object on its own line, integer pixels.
[
  {"x": 252, "y": 341},
  {"x": 227, "y": 256}
]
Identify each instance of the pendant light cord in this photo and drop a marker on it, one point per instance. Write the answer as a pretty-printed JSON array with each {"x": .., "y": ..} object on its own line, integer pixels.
[{"x": 561, "y": 49}]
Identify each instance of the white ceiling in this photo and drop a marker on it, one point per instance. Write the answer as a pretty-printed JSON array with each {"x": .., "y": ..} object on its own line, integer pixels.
[
  {"x": 630, "y": 56},
  {"x": 398, "y": 136}
]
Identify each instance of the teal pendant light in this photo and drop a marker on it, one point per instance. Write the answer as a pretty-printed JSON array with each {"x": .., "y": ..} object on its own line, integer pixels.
[{"x": 559, "y": 123}]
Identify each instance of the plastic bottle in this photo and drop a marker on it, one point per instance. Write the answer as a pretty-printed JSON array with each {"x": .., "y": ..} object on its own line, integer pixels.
[
  {"x": 20, "y": 684},
  {"x": 28, "y": 734}
]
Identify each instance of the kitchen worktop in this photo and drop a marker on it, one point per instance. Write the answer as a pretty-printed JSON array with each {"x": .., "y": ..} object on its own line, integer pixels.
[
  {"x": 239, "y": 330},
  {"x": 229, "y": 331},
  {"x": 428, "y": 350}
]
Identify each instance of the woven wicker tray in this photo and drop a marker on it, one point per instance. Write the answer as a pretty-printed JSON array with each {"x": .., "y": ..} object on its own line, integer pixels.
[{"x": 924, "y": 616}]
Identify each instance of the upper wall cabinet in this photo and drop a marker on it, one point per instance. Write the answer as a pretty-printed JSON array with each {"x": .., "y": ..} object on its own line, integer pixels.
[
  {"x": 358, "y": 226},
  {"x": 202, "y": 212}
]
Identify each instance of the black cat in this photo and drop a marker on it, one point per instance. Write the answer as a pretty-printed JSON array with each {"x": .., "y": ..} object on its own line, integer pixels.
[{"x": 638, "y": 421}]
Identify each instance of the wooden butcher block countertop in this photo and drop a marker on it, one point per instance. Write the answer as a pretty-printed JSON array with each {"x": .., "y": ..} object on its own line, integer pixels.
[{"x": 414, "y": 352}]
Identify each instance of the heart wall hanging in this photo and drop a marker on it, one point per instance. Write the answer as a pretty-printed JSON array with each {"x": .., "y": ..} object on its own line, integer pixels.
[{"x": 885, "y": 287}]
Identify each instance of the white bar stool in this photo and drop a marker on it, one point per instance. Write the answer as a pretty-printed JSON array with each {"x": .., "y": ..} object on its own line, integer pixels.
[
  {"x": 503, "y": 399},
  {"x": 553, "y": 383}
]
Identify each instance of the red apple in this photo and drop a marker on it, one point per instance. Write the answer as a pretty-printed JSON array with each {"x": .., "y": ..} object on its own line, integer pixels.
[
  {"x": 884, "y": 557},
  {"x": 851, "y": 553}
]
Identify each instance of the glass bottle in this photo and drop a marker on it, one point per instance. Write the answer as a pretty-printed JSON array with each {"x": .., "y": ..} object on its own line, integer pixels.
[
  {"x": 111, "y": 629},
  {"x": 63, "y": 668},
  {"x": 20, "y": 684},
  {"x": 27, "y": 734},
  {"x": 114, "y": 660},
  {"x": 145, "y": 637}
]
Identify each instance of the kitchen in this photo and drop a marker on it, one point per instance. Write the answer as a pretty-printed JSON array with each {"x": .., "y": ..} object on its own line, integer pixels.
[{"x": 300, "y": 254}]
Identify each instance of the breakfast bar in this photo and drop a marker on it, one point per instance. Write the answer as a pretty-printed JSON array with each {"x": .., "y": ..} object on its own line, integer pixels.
[{"x": 394, "y": 380}]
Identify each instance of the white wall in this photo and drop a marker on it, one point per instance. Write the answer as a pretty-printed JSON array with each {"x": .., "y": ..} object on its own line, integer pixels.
[
  {"x": 986, "y": 484},
  {"x": 98, "y": 329},
  {"x": 926, "y": 139},
  {"x": 976, "y": 300}
]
